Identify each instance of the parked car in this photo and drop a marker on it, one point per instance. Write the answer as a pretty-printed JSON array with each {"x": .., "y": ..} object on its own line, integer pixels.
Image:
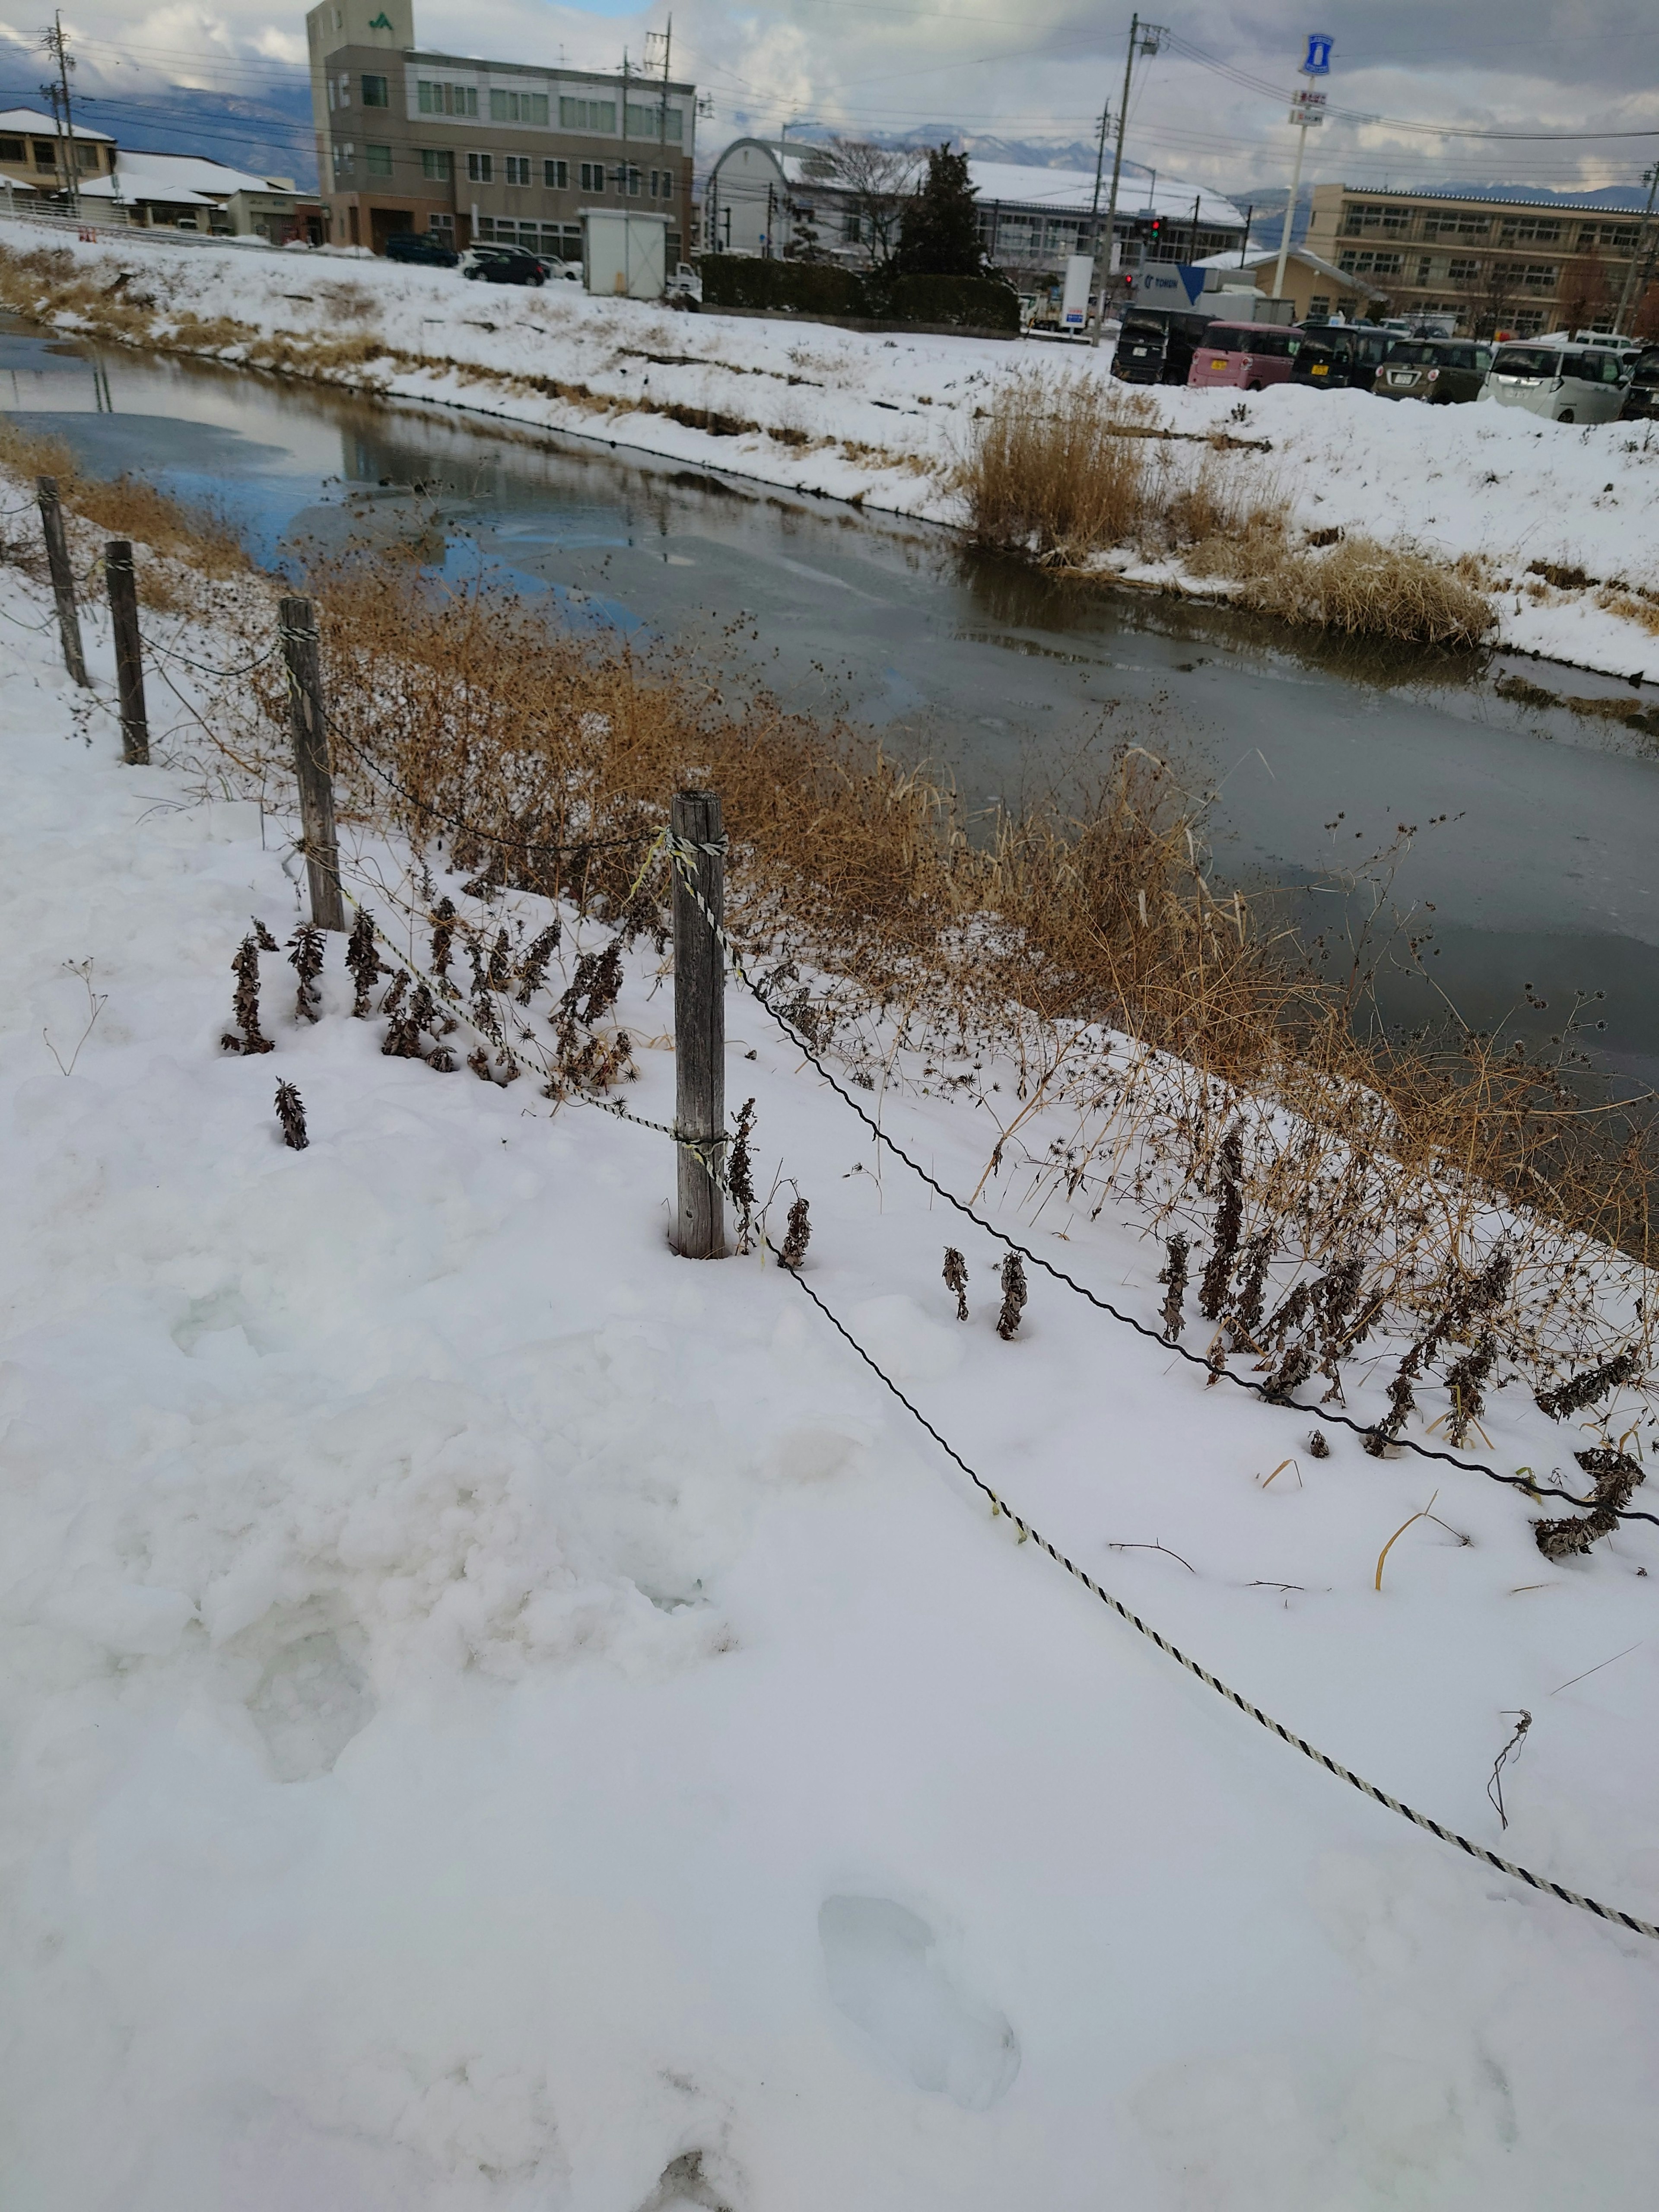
[
  {"x": 1565, "y": 384},
  {"x": 427, "y": 247},
  {"x": 1156, "y": 345},
  {"x": 1641, "y": 392},
  {"x": 1339, "y": 357},
  {"x": 1245, "y": 355},
  {"x": 1443, "y": 371},
  {"x": 504, "y": 265}
]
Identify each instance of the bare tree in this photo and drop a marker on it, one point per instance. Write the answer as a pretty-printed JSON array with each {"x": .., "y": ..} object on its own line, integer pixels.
[
  {"x": 879, "y": 181},
  {"x": 1587, "y": 297},
  {"x": 1492, "y": 298}
]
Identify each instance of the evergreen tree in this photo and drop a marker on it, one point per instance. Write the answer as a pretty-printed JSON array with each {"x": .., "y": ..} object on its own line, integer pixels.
[{"x": 939, "y": 235}]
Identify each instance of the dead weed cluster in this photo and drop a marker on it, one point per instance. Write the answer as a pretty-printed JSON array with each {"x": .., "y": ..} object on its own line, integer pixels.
[
  {"x": 1069, "y": 469},
  {"x": 1204, "y": 1074}
]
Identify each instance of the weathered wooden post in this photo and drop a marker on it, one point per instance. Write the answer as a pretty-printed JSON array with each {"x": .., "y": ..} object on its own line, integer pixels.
[
  {"x": 699, "y": 1022},
  {"x": 62, "y": 577},
  {"x": 123, "y": 587},
  {"x": 302, "y": 650}
]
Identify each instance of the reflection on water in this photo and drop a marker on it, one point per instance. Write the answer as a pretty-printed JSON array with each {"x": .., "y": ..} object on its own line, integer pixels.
[{"x": 1530, "y": 864}]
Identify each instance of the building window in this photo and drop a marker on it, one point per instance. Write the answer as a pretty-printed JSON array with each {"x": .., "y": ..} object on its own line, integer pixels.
[
  {"x": 1539, "y": 276},
  {"x": 437, "y": 98},
  {"x": 556, "y": 175},
  {"x": 587, "y": 115},
  {"x": 1529, "y": 323},
  {"x": 1526, "y": 230},
  {"x": 345, "y": 91},
  {"x": 1319, "y": 308},
  {"x": 1371, "y": 264},
  {"x": 85, "y": 157},
  {"x": 13, "y": 149},
  {"x": 1459, "y": 225},
  {"x": 592, "y": 176},
  {"x": 45, "y": 153},
  {"x": 519, "y": 107},
  {"x": 480, "y": 168},
  {"x": 374, "y": 92},
  {"x": 441, "y": 226},
  {"x": 662, "y": 188},
  {"x": 435, "y": 162},
  {"x": 345, "y": 161},
  {"x": 633, "y": 184},
  {"x": 377, "y": 160},
  {"x": 518, "y": 168},
  {"x": 1463, "y": 272},
  {"x": 1360, "y": 220},
  {"x": 673, "y": 247},
  {"x": 852, "y": 229}
]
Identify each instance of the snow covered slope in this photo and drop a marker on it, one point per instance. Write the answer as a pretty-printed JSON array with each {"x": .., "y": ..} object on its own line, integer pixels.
[
  {"x": 498, "y": 1716},
  {"x": 886, "y": 420}
]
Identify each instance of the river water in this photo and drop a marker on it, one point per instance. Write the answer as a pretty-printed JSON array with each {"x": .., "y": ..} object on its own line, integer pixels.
[{"x": 1532, "y": 860}]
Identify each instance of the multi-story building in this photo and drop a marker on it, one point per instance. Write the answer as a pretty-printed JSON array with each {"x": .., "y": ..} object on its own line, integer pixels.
[
  {"x": 1498, "y": 262},
  {"x": 767, "y": 197},
  {"x": 485, "y": 150}
]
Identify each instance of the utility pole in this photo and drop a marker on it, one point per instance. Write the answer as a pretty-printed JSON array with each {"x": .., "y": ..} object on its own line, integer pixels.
[
  {"x": 1651, "y": 179},
  {"x": 1144, "y": 37},
  {"x": 1307, "y": 109},
  {"x": 1245, "y": 247},
  {"x": 56, "y": 44},
  {"x": 1191, "y": 251}
]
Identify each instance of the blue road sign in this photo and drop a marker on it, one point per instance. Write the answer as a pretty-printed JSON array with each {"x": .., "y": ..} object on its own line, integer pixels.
[{"x": 1318, "y": 62}]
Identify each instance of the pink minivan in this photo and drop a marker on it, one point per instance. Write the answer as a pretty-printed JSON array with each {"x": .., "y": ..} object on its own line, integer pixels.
[{"x": 1244, "y": 354}]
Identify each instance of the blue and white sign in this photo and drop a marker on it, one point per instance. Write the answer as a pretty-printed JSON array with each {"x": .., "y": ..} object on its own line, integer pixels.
[
  {"x": 1318, "y": 62},
  {"x": 1177, "y": 284}
]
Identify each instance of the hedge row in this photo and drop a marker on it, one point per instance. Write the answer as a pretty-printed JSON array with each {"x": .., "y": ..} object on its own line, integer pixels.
[{"x": 817, "y": 287}]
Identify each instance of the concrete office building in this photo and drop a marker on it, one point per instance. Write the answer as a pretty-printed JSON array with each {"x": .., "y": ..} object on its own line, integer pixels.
[
  {"x": 485, "y": 150},
  {"x": 764, "y": 198},
  {"x": 1496, "y": 261}
]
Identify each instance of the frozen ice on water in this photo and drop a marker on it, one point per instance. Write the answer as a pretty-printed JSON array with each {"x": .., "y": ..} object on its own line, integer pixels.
[{"x": 879, "y": 1958}]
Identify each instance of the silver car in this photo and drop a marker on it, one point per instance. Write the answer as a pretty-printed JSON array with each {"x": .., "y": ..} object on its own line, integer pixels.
[{"x": 1563, "y": 383}]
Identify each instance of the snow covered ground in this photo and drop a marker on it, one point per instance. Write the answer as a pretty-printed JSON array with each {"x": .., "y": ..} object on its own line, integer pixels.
[
  {"x": 884, "y": 420},
  {"x": 499, "y": 1717}
]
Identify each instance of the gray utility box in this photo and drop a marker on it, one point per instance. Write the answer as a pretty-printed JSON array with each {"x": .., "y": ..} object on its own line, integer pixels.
[{"x": 624, "y": 254}]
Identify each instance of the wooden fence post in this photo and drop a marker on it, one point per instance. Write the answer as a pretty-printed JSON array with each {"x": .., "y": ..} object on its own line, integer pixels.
[
  {"x": 700, "y": 1025},
  {"x": 62, "y": 577},
  {"x": 123, "y": 587},
  {"x": 302, "y": 651}
]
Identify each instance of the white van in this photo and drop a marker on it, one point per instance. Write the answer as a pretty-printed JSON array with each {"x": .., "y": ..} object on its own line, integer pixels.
[{"x": 1565, "y": 384}]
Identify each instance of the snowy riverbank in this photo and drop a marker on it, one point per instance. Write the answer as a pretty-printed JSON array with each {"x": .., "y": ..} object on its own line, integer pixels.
[
  {"x": 503, "y": 1717},
  {"x": 885, "y": 420}
]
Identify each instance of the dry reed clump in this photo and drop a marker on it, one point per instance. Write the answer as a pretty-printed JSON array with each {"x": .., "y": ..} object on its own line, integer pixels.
[
  {"x": 1065, "y": 470},
  {"x": 1347, "y": 1183},
  {"x": 1051, "y": 471},
  {"x": 127, "y": 507}
]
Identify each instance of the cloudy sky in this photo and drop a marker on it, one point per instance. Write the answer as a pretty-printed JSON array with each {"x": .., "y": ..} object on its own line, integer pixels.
[{"x": 1209, "y": 106}]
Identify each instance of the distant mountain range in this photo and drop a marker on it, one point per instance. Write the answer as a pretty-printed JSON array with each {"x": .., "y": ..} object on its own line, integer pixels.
[{"x": 269, "y": 135}]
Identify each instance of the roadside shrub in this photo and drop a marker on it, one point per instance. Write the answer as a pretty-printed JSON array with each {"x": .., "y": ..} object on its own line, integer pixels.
[
  {"x": 733, "y": 280},
  {"x": 977, "y": 303}
]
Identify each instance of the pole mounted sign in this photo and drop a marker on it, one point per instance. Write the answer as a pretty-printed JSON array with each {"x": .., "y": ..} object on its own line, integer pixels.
[{"x": 1307, "y": 109}]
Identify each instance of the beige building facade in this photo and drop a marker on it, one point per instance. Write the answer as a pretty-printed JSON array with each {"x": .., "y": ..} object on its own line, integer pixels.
[
  {"x": 1522, "y": 266},
  {"x": 484, "y": 151}
]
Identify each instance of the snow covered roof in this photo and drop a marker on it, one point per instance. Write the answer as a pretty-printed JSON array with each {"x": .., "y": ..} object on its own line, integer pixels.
[
  {"x": 1010, "y": 185},
  {"x": 14, "y": 119},
  {"x": 1270, "y": 254},
  {"x": 179, "y": 180}
]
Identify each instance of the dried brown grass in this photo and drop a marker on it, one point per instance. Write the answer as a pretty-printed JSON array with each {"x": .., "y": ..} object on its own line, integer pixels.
[
  {"x": 1141, "y": 1004},
  {"x": 1064, "y": 471}
]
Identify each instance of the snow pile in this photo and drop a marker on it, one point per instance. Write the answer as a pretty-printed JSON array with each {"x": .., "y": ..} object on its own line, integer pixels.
[
  {"x": 499, "y": 1717},
  {"x": 884, "y": 420}
]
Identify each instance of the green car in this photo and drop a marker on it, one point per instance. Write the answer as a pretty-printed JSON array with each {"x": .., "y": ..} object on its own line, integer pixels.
[{"x": 1440, "y": 370}]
